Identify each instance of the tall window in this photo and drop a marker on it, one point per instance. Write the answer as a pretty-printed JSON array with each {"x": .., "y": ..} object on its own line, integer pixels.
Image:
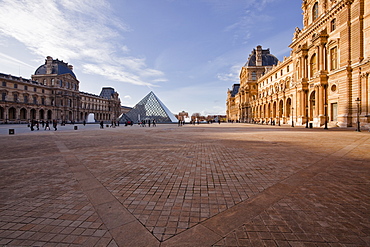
[
  {"x": 333, "y": 25},
  {"x": 15, "y": 97},
  {"x": 333, "y": 58},
  {"x": 25, "y": 99},
  {"x": 3, "y": 96},
  {"x": 315, "y": 11},
  {"x": 313, "y": 65},
  {"x": 254, "y": 75},
  {"x": 34, "y": 99},
  {"x": 298, "y": 70}
]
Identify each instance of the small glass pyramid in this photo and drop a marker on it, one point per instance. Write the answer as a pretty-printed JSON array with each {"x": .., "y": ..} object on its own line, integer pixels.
[{"x": 149, "y": 108}]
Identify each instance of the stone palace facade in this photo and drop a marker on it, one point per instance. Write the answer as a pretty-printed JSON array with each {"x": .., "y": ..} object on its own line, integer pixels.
[
  {"x": 53, "y": 93},
  {"x": 324, "y": 81}
]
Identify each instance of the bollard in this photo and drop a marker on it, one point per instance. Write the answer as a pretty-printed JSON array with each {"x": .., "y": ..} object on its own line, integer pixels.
[
  {"x": 11, "y": 132},
  {"x": 75, "y": 127}
]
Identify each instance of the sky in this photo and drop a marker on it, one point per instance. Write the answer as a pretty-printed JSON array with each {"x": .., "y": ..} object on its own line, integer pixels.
[{"x": 188, "y": 52}]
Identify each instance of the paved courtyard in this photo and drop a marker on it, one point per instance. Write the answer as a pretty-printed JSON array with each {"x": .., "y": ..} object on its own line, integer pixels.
[{"x": 202, "y": 185}]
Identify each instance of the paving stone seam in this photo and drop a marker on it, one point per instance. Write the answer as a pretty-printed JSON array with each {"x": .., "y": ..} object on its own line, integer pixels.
[
  {"x": 121, "y": 224},
  {"x": 227, "y": 218}
]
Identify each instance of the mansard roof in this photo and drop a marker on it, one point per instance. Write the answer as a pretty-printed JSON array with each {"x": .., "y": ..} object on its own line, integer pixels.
[
  {"x": 267, "y": 58},
  {"x": 57, "y": 67},
  {"x": 235, "y": 90}
]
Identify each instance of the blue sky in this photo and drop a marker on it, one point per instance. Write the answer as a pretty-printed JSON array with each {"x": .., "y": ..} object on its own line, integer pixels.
[{"x": 188, "y": 52}]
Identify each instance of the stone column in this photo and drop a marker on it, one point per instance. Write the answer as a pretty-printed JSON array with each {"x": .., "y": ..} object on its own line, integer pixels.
[{"x": 321, "y": 101}]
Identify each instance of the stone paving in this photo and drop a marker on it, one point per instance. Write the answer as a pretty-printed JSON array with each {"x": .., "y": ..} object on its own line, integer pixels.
[{"x": 203, "y": 185}]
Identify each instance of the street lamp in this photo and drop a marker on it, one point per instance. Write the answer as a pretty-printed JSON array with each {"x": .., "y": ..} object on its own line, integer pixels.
[
  {"x": 292, "y": 116},
  {"x": 307, "y": 116},
  {"x": 326, "y": 116},
  {"x": 271, "y": 118},
  {"x": 358, "y": 101}
]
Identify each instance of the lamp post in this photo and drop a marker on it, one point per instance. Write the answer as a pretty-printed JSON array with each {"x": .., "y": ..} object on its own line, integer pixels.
[
  {"x": 358, "y": 101},
  {"x": 326, "y": 116},
  {"x": 279, "y": 118},
  {"x": 292, "y": 116},
  {"x": 307, "y": 116},
  {"x": 271, "y": 117}
]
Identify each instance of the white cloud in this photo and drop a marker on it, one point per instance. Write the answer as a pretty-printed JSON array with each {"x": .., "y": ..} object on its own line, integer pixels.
[
  {"x": 253, "y": 14},
  {"x": 125, "y": 49},
  {"x": 114, "y": 73},
  {"x": 8, "y": 59},
  {"x": 232, "y": 76},
  {"x": 85, "y": 31}
]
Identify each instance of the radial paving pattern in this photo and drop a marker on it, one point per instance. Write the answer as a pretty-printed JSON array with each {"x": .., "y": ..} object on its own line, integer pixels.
[
  {"x": 207, "y": 185},
  {"x": 172, "y": 188}
]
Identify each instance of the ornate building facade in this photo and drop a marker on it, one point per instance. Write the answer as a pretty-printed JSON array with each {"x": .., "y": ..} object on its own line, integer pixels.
[
  {"x": 324, "y": 81},
  {"x": 53, "y": 93}
]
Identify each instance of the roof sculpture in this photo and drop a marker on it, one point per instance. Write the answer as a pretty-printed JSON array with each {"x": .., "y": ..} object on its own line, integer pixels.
[{"x": 149, "y": 108}]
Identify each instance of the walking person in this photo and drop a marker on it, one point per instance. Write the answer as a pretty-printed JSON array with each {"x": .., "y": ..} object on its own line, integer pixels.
[
  {"x": 102, "y": 124},
  {"x": 47, "y": 125},
  {"x": 154, "y": 124},
  {"x": 149, "y": 122},
  {"x": 55, "y": 124},
  {"x": 32, "y": 124}
]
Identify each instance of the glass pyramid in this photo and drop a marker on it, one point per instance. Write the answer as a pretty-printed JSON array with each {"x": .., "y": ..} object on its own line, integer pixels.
[{"x": 149, "y": 108}]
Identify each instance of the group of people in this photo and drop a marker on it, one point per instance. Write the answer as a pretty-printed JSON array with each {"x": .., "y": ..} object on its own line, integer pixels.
[
  {"x": 45, "y": 124},
  {"x": 112, "y": 125},
  {"x": 143, "y": 123},
  {"x": 35, "y": 124}
]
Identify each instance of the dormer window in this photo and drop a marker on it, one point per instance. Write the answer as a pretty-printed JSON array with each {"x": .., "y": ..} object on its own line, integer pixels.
[{"x": 254, "y": 75}]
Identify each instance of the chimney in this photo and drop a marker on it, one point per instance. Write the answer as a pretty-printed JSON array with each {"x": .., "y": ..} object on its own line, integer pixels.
[
  {"x": 70, "y": 67},
  {"x": 259, "y": 56},
  {"x": 49, "y": 62}
]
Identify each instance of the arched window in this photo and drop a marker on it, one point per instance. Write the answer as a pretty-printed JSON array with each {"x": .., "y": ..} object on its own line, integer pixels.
[
  {"x": 298, "y": 70},
  {"x": 315, "y": 11},
  {"x": 313, "y": 65}
]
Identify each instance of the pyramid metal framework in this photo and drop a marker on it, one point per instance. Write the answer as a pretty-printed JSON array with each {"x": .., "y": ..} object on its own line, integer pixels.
[{"x": 149, "y": 108}]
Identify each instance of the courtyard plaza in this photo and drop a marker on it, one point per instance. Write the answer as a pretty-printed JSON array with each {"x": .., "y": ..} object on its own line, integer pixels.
[{"x": 203, "y": 185}]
